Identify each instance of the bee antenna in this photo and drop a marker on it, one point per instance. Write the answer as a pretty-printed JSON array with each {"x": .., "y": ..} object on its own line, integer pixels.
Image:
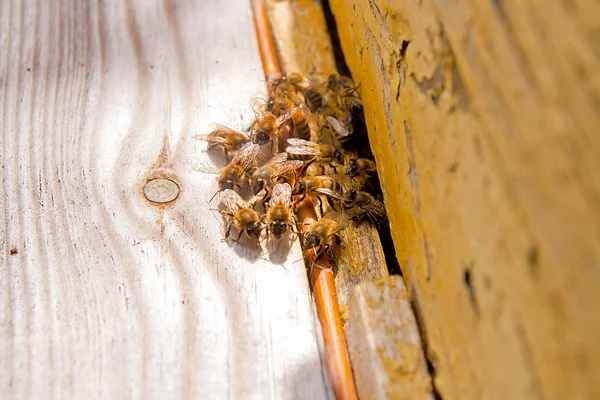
[{"x": 211, "y": 199}]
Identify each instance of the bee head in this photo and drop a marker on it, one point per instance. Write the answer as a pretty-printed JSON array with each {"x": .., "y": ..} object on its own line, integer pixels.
[
  {"x": 294, "y": 78},
  {"x": 351, "y": 168},
  {"x": 356, "y": 108},
  {"x": 253, "y": 230},
  {"x": 278, "y": 228},
  {"x": 226, "y": 184},
  {"x": 311, "y": 239},
  {"x": 350, "y": 197},
  {"x": 299, "y": 187},
  {"x": 261, "y": 136},
  {"x": 338, "y": 157}
]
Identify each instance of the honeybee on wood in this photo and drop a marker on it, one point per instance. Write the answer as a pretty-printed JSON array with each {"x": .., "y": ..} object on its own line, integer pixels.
[
  {"x": 278, "y": 167},
  {"x": 226, "y": 138},
  {"x": 362, "y": 204},
  {"x": 357, "y": 166},
  {"x": 299, "y": 119},
  {"x": 337, "y": 83},
  {"x": 241, "y": 214},
  {"x": 279, "y": 211},
  {"x": 310, "y": 90},
  {"x": 317, "y": 185},
  {"x": 232, "y": 174},
  {"x": 349, "y": 100},
  {"x": 265, "y": 127},
  {"x": 314, "y": 151},
  {"x": 280, "y": 104},
  {"x": 324, "y": 232},
  {"x": 338, "y": 129}
]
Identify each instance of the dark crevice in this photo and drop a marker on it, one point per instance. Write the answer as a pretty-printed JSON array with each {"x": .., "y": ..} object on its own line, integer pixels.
[
  {"x": 389, "y": 251},
  {"x": 340, "y": 61},
  {"x": 533, "y": 259},
  {"x": 403, "y": 47},
  {"x": 430, "y": 356},
  {"x": 471, "y": 288}
]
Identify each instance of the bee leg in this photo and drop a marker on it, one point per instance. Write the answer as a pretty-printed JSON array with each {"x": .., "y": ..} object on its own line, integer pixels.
[
  {"x": 322, "y": 250},
  {"x": 227, "y": 232},
  {"x": 237, "y": 239}
]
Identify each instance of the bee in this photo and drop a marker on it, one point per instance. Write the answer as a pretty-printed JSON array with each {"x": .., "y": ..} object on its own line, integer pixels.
[
  {"x": 224, "y": 137},
  {"x": 350, "y": 101},
  {"x": 276, "y": 168},
  {"x": 359, "y": 166},
  {"x": 323, "y": 233},
  {"x": 338, "y": 128},
  {"x": 241, "y": 214},
  {"x": 362, "y": 204},
  {"x": 265, "y": 125},
  {"x": 317, "y": 185},
  {"x": 299, "y": 119},
  {"x": 337, "y": 83},
  {"x": 314, "y": 151},
  {"x": 280, "y": 104},
  {"x": 316, "y": 168},
  {"x": 309, "y": 89},
  {"x": 232, "y": 174},
  {"x": 279, "y": 214}
]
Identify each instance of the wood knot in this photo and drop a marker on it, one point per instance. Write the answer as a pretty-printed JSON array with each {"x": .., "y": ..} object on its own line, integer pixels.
[{"x": 161, "y": 190}]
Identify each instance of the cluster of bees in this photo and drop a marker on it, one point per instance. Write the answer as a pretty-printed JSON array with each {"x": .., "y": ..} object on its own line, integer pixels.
[{"x": 307, "y": 128}]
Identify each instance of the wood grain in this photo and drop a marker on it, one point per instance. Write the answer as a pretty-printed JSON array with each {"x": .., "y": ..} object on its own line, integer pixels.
[
  {"x": 384, "y": 342},
  {"x": 484, "y": 119},
  {"x": 104, "y": 294}
]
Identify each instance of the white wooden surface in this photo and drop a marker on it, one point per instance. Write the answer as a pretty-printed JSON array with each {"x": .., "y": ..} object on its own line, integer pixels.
[{"x": 107, "y": 295}]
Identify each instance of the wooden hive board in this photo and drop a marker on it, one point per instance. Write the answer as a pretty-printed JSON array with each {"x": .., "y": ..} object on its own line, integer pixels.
[
  {"x": 103, "y": 294},
  {"x": 484, "y": 117}
]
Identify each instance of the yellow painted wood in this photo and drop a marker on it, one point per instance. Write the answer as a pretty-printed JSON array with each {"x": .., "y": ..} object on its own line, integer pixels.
[{"x": 484, "y": 119}]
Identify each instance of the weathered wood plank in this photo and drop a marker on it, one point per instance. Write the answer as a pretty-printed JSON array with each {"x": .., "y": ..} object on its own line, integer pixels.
[
  {"x": 105, "y": 295},
  {"x": 384, "y": 343},
  {"x": 483, "y": 118}
]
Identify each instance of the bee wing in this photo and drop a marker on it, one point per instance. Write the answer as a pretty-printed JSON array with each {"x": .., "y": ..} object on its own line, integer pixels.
[
  {"x": 258, "y": 106},
  {"x": 303, "y": 147},
  {"x": 277, "y": 159},
  {"x": 213, "y": 139},
  {"x": 330, "y": 193},
  {"x": 246, "y": 155},
  {"x": 302, "y": 142},
  {"x": 232, "y": 201},
  {"x": 339, "y": 218},
  {"x": 287, "y": 167},
  {"x": 305, "y": 84},
  {"x": 375, "y": 206},
  {"x": 338, "y": 126},
  {"x": 285, "y": 117},
  {"x": 281, "y": 194}
]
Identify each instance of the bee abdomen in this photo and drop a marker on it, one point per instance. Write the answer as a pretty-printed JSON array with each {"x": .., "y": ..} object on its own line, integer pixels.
[{"x": 313, "y": 99}]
